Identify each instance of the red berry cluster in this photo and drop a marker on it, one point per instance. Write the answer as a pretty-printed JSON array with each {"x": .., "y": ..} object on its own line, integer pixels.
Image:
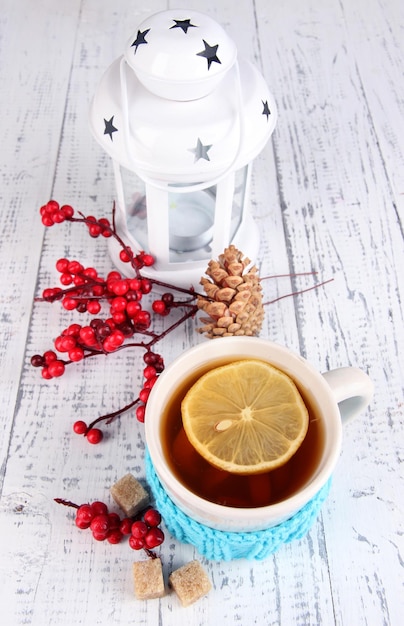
[
  {"x": 93, "y": 435},
  {"x": 127, "y": 316},
  {"x": 163, "y": 306},
  {"x": 83, "y": 290},
  {"x": 51, "y": 213},
  {"x": 154, "y": 366},
  {"x": 146, "y": 533},
  {"x": 105, "y": 525}
]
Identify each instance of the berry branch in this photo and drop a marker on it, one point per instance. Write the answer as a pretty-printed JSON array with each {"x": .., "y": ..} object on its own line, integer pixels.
[
  {"x": 143, "y": 530},
  {"x": 232, "y": 301}
]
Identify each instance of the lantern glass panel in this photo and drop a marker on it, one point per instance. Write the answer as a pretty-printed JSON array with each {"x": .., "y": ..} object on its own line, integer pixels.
[
  {"x": 239, "y": 199},
  {"x": 134, "y": 195},
  {"x": 192, "y": 218}
]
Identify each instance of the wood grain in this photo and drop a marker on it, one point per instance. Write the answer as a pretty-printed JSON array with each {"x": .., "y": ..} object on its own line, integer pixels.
[{"x": 327, "y": 193}]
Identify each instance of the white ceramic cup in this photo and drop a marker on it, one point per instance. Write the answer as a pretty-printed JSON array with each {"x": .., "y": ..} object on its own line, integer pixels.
[{"x": 335, "y": 396}]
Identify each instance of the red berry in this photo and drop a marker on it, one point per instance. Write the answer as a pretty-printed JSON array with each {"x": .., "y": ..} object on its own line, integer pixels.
[
  {"x": 135, "y": 284},
  {"x": 146, "y": 286},
  {"x": 118, "y": 304},
  {"x": 116, "y": 338},
  {"x": 150, "y": 382},
  {"x": 142, "y": 320},
  {"x": 136, "y": 543},
  {"x": 95, "y": 230},
  {"x": 100, "y": 536},
  {"x": 119, "y": 317},
  {"x": 132, "y": 308},
  {"x": 120, "y": 287},
  {"x": 114, "y": 275},
  {"x": 84, "y": 516},
  {"x": 87, "y": 336},
  {"x": 47, "y": 220},
  {"x": 78, "y": 280},
  {"x": 49, "y": 356},
  {"x": 139, "y": 529},
  {"x": 159, "y": 307},
  {"x": 75, "y": 267},
  {"x": 62, "y": 265},
  {"x": 73, "y": 330},
  {"x": 37, "y": 360},
  {"x": 93, "y": 307},
  {"x": 76, "y": 354},
  {"x": 154, "y": 537},
  {"x": 114, "y": 520},
  {"x": 58, "y": 217},
  {"x": 140, "y": 413},
  {"x": 114, "y": 536},
  {"x": 106, "y": 227},
  {"x": 124, "y": 256},
  {"x": 56, "y": 369},
  {"x": 66, "y": 279},
  {"x": 99, "y": 508},
  {"x": 126, "y": 526},
  {"x": 151, "y": 358},
  {"x": 91, "y": 272},
  {"x": 69, "y": 303},
  {"x": 45, "y": 373},
  {"x": 144, "y": 395},
  {"x": 167, "y": 298},
  {"x": 64, "y": 343},
  {"x": 80, "y": 427},
  {"x": 67, "y": 210},
  {"x": 149, "y": 372},
  {"x": 52, "y": 206},
  {"x": 152, "y": 517},
  {"x": 98, "y": 290},
  {"x": 148, "y": 259},
  {"x": 94, "y": 435}
]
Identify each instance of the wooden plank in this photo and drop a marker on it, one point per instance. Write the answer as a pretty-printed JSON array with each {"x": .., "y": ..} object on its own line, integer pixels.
[
  {"x": 339, "y": 208},
  {"x": 34, "y": 74},
  {"x": 325, "y": 200}
]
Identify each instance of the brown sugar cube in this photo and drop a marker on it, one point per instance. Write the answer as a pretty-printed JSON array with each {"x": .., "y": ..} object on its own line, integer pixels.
[
  {"x": 190, "y": 582},
  {"x": 129, "y": 495},
  {"x": 148, "y": 579}
]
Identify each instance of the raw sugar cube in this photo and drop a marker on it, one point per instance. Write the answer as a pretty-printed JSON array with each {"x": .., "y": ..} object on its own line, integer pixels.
[
  {"x": 129, "y": 495},
  {"x": 190, "y": 582},
  {"x": 148, "y": 579}
]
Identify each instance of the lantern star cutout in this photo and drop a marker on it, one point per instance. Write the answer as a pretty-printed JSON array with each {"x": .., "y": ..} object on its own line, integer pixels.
[
  {"x": 266, "y": 110},
  {"x": 209, "y": 53},
  {"x": 109, "y": 127},
  {"x": 183, "y": 24},
  {"x": 200, "y": 151},
  {"x": 140, "y": 38}
]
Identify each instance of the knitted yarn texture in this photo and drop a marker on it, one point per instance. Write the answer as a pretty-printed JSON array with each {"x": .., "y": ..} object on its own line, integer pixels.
[{"x": 218, "y": 545}]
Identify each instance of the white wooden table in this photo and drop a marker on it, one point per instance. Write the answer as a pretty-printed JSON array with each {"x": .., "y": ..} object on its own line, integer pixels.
[{"x": 328, "y": 196}]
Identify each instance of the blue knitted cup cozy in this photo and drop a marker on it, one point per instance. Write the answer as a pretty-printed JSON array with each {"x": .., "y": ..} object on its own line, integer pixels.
[{"x": 219, "y": 545}]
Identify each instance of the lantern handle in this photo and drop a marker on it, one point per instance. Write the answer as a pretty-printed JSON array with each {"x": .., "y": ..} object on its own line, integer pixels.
[{"x": 139, "y": 165}]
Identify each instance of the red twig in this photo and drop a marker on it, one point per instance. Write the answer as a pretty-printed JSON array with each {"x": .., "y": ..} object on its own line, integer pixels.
[{"x": 297, "y": 293}]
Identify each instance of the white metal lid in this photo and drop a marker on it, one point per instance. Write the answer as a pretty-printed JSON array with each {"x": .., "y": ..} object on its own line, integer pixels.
[
  {"x": 180, "y": 54},
  {"x": 182, "y": 141}
]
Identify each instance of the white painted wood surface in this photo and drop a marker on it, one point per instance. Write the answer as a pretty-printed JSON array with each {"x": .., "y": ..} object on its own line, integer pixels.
[{"x": 328, "y": 195}]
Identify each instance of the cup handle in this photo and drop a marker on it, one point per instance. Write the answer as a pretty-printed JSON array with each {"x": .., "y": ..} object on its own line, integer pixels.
[{"x": 352, "y": 389}]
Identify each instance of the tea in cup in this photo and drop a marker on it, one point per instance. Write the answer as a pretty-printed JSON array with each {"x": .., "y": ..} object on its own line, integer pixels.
[{"x": 245, "y": 503}]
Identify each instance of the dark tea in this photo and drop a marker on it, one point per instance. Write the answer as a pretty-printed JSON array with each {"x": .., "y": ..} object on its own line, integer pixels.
[{"x": 222, "y": 487}]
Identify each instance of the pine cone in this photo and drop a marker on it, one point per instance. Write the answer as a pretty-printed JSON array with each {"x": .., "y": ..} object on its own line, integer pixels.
[{"x": 233, "y": 299}]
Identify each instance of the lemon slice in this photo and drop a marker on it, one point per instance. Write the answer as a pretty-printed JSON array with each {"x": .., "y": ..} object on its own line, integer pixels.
[{"x": 246, "y": 417}]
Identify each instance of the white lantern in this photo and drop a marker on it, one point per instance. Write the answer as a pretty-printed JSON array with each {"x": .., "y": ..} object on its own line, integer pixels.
[{"x": 182, "y": 119}]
